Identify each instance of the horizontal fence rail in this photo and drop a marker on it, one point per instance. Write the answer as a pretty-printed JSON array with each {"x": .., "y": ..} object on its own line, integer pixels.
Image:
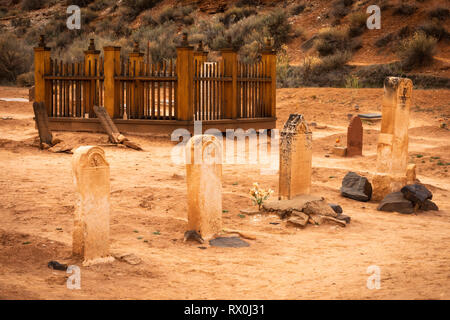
[
  {"x": 187, "y": 88},
  {"x": 148, "y": 91}
]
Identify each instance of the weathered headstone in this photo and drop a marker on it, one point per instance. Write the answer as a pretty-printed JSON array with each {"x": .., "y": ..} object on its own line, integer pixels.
[
  {"x": 41, "y": 118},
  {"x": 91, "y": 224},
  {"x": 392, "y": 151},
  {"x": 354, "y": 137},
  {"x": 204, "y": 185},
  {"x": 295, "y": 158},
  {"x": 31, "y": 94}
]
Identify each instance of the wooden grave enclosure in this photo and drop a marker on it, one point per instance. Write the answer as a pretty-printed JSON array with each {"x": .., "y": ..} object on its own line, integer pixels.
[{"x": 146, "y": 97}]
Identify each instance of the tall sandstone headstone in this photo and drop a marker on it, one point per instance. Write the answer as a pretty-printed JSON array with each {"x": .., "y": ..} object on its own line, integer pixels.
[
  {"x": 91, "y": 223},
  {"x": 354, "y": 137},
  {"x": 295, "y": 158},
  {"x": 204, "y": 185},
  {"x": 392, "y": 150}
]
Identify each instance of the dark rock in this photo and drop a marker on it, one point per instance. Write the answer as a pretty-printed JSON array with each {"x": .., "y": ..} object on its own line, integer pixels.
[
  {"x": 396, "y": 202},
  {"x": 337, "y": 208},
  {"x": 356, "y": 187},
  {"x": 428, "y": 205},
  {"x": 228, "y": 242},
  {"x": 57, "y": 266},
  {"x": 344, "y": 218},
  {"x": 417, "y": 193}
]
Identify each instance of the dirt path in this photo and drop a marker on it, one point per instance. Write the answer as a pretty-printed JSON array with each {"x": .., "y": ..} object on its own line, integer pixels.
[{"x": 148, "y": 216}]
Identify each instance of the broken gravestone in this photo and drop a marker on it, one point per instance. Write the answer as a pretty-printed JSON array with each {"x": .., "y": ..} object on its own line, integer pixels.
[
  {"x": 356, "y": 187},
  {"x": 41, "y": 118},
  {"x": 416, "y": 193},
  {"x": 396, "y": 202},
  {"x": 228, "y": 242}
]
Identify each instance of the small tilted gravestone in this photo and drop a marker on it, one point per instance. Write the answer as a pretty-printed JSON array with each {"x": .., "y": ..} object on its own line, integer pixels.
[
  {"x": 41, "y": 118},
  {"x": 355, "y": 137},
  {"x": 91, "y": 222},
  {"x": 204, "y": 185},
  {"x": 295, "y": 158}
]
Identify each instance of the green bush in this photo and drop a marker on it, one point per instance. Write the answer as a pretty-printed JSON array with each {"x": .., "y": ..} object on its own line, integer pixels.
[{"x": 417, "y": 50}]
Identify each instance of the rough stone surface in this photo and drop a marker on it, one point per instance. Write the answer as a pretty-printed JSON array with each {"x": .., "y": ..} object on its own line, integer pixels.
[
  {"x": 340, "y": 151},
  {"x": 416, "y": 193},
  {"x": 411, "y": 173},
  {"x": 285, "y": 207},
  {"x": 344, "y": 218},
  {"x": 298, "y": 219},
  {"x": 295, "y": 158},
  {"x": 355, "y": 137},
  {"x": 319, "y": 207},
  {"x": 91, "y": 222},
  {"x": 356, "y": 187},
  {"x": 337, "y": 208},
  {"x": 204, "y": 185},
  {"x": 396, "y": 202},
  {"x": 428, "y": 205},
  {"x": 383, "y": 184}
]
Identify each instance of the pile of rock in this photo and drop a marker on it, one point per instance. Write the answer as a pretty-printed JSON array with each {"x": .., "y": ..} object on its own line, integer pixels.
[
  {"x": 305, "y": 209},
  {"x": 410, "y": 199},
  {"x": 356, "y": 187}
]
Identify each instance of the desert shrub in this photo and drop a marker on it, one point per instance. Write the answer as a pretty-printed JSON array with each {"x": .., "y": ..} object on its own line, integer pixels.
[
  {"x": 405, "y": 9},
  {"x": 163, "y": 40},
  {"x": 25, "y": 79},
  {"x": 341, "y": 8},
  {"x": 30, "y": 5},
  {"x": 15, "y": 58},
  {"x": 357, "y": 23},
  {"x": 439, "y": 13},
  {"x": 132, "y": 8},
  {"x": 385, "y": 40},
  {"x": 87, "y": 16},
  {"x": 278, "y": 26},
  {"x": 331, "y": 40},
  {"x": 297, "y": 9},
  {"x": 417, "y": 50},
  {"x": 235, "y": 14},
  {"x": 80, "y": 3},
  {"x": 100, "y": 5},
  {"x": 334, "y": 61},
  {"x": 435, "y": 30},
  {"x": 374, "y": 75},
  {"x": 148, "y": 20},
  {"x": 174, "y": 14},
  {"x": 247, "y": 3}
]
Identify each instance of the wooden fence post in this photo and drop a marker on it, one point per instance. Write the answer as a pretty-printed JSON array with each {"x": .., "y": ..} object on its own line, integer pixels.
[
  {"x": 185, "y": 80},
  {"x": 229, "y": 57},
  {"x": 91, "y": 68},
  {"x": 112, "y": 93},
  {"x": 136, "y": 110},
  {"x": 41, "y": 66},
  {"x": 269, "y": 59},
  {"x": 200, "y": 55}
]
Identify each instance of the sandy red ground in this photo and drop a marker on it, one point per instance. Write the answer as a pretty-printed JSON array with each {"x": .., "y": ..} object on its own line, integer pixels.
[{"x": 149, "y": 195}]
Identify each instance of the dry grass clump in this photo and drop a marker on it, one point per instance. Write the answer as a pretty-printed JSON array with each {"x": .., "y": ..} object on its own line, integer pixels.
[{"x": 417, "y": 50}]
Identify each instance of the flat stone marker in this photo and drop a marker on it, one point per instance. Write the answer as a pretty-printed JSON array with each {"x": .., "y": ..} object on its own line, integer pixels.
[
  {"x": 228, "y": 242},
  {"x": 91, "y": 223},
  {"x": 204, "y": 185},
  {"x": 392, "y": 150},
  {"x": 355, "y": 137},
  {"x": 295, "y": 158},
  {"x": 370, "y": 116}
]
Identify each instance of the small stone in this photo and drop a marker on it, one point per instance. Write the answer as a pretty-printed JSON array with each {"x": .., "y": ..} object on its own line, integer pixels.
[
  {"x": 428, "y": 205},
  {"x": 298, "y": 219},
  {"x": 344, "y": 218},
  {"x": 337, "y": 208},
  {"x": 326, "y": 219},
  {"x": 356, "y": 187},
  {"x": 340, "y": 151},
  {"x": 319, "y": 207},
  {"x": 129, "y": 258},
  {"x": 250, "y": 211},
  {"x": 417, "y": 193},
  {"x": 396, "y": 202},
  {"x": 228, "y": 242}
]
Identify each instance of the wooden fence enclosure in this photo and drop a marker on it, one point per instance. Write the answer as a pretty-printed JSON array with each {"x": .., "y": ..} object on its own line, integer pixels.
[{"x": 157, "y": 98}]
